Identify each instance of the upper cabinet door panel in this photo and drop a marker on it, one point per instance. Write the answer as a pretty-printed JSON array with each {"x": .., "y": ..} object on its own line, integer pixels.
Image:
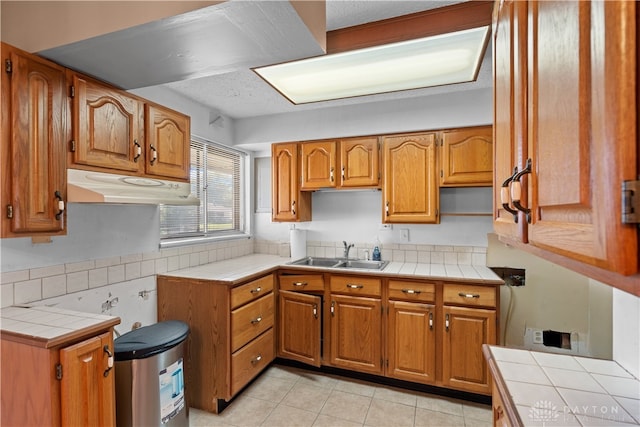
[
  {"x": 318, "y": 164},
  {"x": 106, "y": 127},
  {"x": 168, "y": 139},
  {"x": 582, "y": 130},
  {"x": 410, "y": 193},
  {"x": 360, "y": 162},
  {"x": 35, "y": 172},
  {"x": 467, "y": 157},
  {"x": 288, "y": 203}
]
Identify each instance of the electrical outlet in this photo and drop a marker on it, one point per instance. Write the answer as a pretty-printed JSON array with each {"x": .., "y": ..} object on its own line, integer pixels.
[
  {"x": 404, "y": 235},
  {"x": 537, "y": 336}
]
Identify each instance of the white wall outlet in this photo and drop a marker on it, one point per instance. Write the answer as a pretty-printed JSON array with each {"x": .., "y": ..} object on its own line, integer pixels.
[
  {"x": 537, "y": 336},
  {"x": 404, "y": 235},
  {"x": 385, "y": 227}
]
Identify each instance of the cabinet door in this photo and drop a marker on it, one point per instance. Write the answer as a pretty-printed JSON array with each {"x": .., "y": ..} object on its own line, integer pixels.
[
  {"x": 411, "y": 342},
  {"x": 410, "y": 193},
  {"x": 299, "y": 326},
  {"x": 87, "y": 386},
  {"x": 288, "y": 203},
  {"x": 106, "y": 127},
  {"x": 34, "y": 166},
  {"x": 318, "y": 164},
  {"x": 582, "y": 130},
  {"x": 463, "y": 365},
  {"x": 466, "y": 157},
  {"x": 509, "y": 118},
  {"x": 359, "y": 162},
  {"x": 168, "y": 137},
  {"x": 356, "y": 331}
]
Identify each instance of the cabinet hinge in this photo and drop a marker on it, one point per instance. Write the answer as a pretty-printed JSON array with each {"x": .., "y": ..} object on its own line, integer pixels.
[
  {"x": 72, "y": 91},
  {"x": 8, "y": 66},
  {"x": 10, "y": 211},
  {"x": 58, "y": 371},
  {"x": 72, "y": 146},
  {"x": 441, "y": 173},
  {"x": 631, "y": 202}
]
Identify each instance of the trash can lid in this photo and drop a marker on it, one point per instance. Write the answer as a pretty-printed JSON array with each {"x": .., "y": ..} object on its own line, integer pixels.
[{"x": 150, "y": 340}]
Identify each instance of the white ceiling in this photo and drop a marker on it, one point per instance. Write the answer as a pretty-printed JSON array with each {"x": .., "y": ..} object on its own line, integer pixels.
[{"x": 207, "y": 55}]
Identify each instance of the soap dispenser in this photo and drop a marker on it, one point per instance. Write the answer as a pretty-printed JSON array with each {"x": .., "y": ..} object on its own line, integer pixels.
[{"x": 376, "y": 255}]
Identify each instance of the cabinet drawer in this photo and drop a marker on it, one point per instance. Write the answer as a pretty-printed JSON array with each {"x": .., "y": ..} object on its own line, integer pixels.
[
  {"x": 249, "y": 361},
  {"x": 251, "y": 291},
  {"x": 249, "y": 321},
  {"x": 471, "y": 295},
  {"x": 306, "y": 282},
  {"x": 412, "y": 291},
  {"x": 356, "y": 285}
]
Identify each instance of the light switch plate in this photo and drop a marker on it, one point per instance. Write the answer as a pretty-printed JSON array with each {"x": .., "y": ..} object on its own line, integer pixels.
[{"x": 404, "y": 235}]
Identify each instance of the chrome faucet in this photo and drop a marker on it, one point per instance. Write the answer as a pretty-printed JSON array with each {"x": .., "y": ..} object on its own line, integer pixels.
[{"x": 346, "y": 248}]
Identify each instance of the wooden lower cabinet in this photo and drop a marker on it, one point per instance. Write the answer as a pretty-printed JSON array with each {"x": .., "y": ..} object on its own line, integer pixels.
[
  {"x": 82, "y": 395},
  {"x": 465, "y": 330},
  {"x": 231, "y": 336},
  {"x": 299, "y": 327},
  {"x": 411, "y": 341},
  {"x": 356, "y": 333}
]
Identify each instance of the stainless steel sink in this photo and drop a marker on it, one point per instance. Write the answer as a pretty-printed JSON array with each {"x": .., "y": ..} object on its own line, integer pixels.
[
  {"x": 340, "y": 263},
  {"x": 317, "y": 262}
]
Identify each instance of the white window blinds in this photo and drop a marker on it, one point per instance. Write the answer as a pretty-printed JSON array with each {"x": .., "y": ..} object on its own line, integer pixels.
[{"x": 216, "y": 180}]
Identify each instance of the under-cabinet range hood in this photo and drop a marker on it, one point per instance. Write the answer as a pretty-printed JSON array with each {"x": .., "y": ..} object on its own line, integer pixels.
[{"x": 97, "y": 187}]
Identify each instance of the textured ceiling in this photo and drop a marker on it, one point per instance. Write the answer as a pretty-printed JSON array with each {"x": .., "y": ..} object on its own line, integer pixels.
[{"x": 241, "y": 93}]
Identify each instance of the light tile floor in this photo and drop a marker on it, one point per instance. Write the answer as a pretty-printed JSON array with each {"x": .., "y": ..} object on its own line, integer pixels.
[{"x": 285, "y": 396}]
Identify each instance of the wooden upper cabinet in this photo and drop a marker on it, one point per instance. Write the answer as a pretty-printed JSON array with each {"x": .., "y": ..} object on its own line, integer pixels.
[
  {"x": 288, "y": 202},
  {"x": 359, "y": 162},
  {"x": 107, "y": 127},
  {"x": 466, "y": 157},
  {"x": 168, "y": 138},
  {"x": 509, "y": 120},
  {"x": 580, "y": 134},
  {"x": 410, "y": 190},
  {"x": 34, "y": 131},
  {"x": 318, "y": 161}
]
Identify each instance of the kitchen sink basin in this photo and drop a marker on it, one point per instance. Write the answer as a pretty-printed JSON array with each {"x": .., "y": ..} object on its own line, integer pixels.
[{"x": 340, "y": 263}]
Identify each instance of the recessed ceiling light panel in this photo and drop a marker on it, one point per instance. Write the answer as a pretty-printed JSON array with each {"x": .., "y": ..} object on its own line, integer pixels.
[{"x": 413, "y": 64}]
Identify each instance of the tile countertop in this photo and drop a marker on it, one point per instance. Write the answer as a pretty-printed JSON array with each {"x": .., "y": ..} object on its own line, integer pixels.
[
  {"x": 562, "y": 390},
  {"x": 238, "y": 269},
  {"x": 48, "y": 326}
]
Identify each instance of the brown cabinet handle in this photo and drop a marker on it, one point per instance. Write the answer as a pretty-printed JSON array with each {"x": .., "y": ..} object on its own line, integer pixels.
[
  {"x": 293, "y": 207},
  {"x": 516, "y": 191},
  {"x": 352, "y": 286},
  {"x": 138, "y": 149},
  {"x": 109, "y": 360},
  {"x": 463, "y": 295},
  {"x": 411, "y": 291},
  {"x": 256, "y": 320},
  {"x": 315, "y": 310},
  {"x": 386, "y": 208},
  {"x": 256, "y": 290},
  {"x": 333, "y": 308},
  {"x": 331, "y": 174},
  {"x": 430, "y": 320},
  {"x": 504, "y": 195},
  {"x": 154, "y": 154},
  {"x": 60, "y": 204},
  {"x": 298, "y": 284},
  {"x": 446, "y": 323},
  {"x": 256, "y": 359}
]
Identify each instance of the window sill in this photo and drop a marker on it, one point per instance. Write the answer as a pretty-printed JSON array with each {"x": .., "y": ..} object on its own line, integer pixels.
[{"x": 185, "y": 241}]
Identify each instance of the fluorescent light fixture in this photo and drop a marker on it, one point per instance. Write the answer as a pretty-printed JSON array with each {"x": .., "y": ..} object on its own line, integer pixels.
[{"x": 413, "y": 64}]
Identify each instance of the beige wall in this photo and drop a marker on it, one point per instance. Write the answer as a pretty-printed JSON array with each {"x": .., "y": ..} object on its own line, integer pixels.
[
  {"x": 38, "y": 25},
  {"x": 552, "y": 298}
]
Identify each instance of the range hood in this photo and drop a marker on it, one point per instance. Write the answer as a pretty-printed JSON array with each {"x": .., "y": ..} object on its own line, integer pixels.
[{"x": 97, "y": 187}]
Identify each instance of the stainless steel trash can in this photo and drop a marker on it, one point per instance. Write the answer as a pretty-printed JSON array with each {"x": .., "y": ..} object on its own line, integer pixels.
[{"x": 149, "y": 375}]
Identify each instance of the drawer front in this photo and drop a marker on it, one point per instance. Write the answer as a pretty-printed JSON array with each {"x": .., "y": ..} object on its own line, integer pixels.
[
  {"x": 412, "y": 291},
  {"x": 470, "y": 295},
  {"x": 251, "y": 360},
  {"x": 251, "y": 291},
  {"x": 302, "y": 282},
  {"x": 353, "y": 285},
  {"x": 249, "y": 321}
]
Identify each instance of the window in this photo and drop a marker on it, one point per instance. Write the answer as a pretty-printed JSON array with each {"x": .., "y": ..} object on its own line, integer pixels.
[{"x": 217, "y": 180}]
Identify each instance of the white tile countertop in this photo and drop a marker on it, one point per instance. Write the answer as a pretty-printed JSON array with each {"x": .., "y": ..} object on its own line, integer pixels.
[
  {"x": 49, "y": 324},
  {"x": 562, "y": 390},
  {"x": 237, "y": 269}
]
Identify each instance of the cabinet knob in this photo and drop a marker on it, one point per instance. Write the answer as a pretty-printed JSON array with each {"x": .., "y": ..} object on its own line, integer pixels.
[{"x": 256, "y": 359}]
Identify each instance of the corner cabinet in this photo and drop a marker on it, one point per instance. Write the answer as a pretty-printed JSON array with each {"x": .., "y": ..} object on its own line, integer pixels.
[
  {"x": 65, "y": 381},
  {"x": 34, "y": 125},
  {"x": 288, "y": 202},
  {"x": 562, "y": 175},
  {"x": 466, "y": 157},
  {"x": 410, "y": 189},
  {"x": 232, "y": 336}
]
